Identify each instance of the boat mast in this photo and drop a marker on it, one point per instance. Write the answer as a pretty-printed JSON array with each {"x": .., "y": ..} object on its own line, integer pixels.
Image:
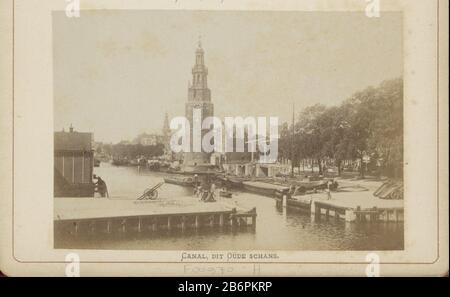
[{"x": 292, "y": 139}]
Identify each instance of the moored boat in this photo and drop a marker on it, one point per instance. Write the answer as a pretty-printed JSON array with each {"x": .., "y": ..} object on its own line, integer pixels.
[
  {"x": 179, "y": 180},
  {"x": 120, "y": 162},
  {"x": 263, "y": 188},
  {"x": 296, "y": 202},
  {"x": 225, "y": 194}
]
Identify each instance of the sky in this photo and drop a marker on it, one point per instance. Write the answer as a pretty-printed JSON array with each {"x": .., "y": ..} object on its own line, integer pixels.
[{"x": 117, "y": 72}]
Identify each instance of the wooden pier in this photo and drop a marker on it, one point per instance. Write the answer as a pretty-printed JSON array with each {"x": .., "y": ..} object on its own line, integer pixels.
[
  {"x": 103, "y": 215},
  {"x": 351, "y": 207},
  {"x": 359, "y": 207}
]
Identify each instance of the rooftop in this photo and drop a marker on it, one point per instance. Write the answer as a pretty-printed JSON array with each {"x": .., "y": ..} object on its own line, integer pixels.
[{"x": 72, "y": 141}]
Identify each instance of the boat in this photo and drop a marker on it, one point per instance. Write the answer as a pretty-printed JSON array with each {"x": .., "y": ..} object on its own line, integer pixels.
[
  {"x": 231, "y": 181},
  {"x": 263, "y": 188},
  {"x": 120, "y": 162},
  {"x": 313, "y": 184},
  {"x": 179, "y": 180},
  {"x": 225, "y": 194},
  {"x": 299, "y": 202}
]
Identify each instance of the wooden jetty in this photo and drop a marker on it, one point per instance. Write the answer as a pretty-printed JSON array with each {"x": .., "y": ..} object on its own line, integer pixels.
[
  {"x": 104, "y": 215},
  {"x": 349, "y": 206}
]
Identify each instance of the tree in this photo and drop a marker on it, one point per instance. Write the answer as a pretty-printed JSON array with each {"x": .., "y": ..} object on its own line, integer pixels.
[{"x": 369, "y": 123}]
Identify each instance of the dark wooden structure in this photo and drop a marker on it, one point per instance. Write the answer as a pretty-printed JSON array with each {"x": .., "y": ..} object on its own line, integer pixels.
[{"x": 73, "y": 164}]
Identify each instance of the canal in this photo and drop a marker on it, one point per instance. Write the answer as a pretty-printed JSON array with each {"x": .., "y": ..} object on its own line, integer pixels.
[{"x": 275, "y": 229}]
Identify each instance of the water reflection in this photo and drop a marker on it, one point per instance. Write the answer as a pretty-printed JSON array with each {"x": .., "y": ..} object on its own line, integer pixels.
[{"x": 276, "y": 228}]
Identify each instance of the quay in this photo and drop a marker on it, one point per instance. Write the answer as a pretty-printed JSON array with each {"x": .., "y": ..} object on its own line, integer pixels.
[
  {"x": 75, "y": 215},
  {"x": 349, "y": 206}
]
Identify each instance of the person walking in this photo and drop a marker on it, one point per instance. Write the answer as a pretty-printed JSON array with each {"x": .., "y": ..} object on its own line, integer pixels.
[{"x": 328, "y": 190}]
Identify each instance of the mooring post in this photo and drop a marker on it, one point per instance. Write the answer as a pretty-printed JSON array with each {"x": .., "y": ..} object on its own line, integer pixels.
[
  {"x": 183, "y": 223},
  {"x": 350, "y": 215},
  {"x": 169, "y": 223},
  {"x": 155, "y": 224},
  {"x": 108, "y": 226},
  {"x": 123, "y": 225},
  {"x": 374, "y": 214},
  {"x": 197, "y": 222},
  {"x": 211, "y": 221},
  {"x": 233, "y": 217},
  {"x": 317, "y": 210},
  {"x": 221, "y": 220},
  {"x": 139, "y": 224},
  {"x": 253, "y": 212},
  {"x": 358, "y": 213},
  {"x": 75, "y": 224}
]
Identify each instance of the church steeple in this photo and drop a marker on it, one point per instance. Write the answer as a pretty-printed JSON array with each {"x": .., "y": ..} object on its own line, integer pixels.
[
  {"x": 199, "y": 91},
  {"x": 199, "y": 98}
]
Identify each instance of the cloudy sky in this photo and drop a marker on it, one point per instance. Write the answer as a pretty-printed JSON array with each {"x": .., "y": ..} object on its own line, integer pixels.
[{"x": 117, "y": 72}]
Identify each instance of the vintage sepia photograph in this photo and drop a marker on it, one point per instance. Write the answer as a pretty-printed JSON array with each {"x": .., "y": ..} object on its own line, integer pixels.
[
  {"x": 228, "y": 130},
  {"x": 223, "y": 138}
]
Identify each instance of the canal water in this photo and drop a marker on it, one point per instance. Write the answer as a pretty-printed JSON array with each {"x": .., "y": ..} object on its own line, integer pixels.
[{"x": 275, "y": 229}]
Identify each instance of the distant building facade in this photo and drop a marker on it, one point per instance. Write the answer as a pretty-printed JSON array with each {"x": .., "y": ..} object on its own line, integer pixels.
[{"x": 148, "y": 139}]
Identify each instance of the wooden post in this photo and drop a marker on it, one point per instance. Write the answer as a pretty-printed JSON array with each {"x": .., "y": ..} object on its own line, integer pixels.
[
  {"x": 374, "y": 214},
  {"x": 123, "y": 225},
  {"x": 139, "y": 224},
  {"x": 197, "y": 222},
  {"x": 317, "y": 210},
  {"x": 169, "y": 223},
  {"x": 108, "y": 226},
  {"x": 233, "y": 217},
  {"x": 221, "y": 220},
  {"x": 155, "y": 224},
  {"x": 75, "y": 224},
  {"x": 183, "y": 223}
]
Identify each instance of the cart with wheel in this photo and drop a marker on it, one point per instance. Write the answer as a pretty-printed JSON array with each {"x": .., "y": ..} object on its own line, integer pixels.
[{"x": 151, "y": 193}]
